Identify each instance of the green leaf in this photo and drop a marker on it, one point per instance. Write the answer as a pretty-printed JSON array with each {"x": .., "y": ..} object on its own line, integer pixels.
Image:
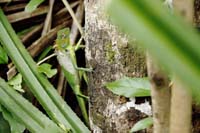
[
  {"x": 16, "y": 82},
  {"x": 46, "y": 69},
  {"x": 32, "y": 5},
  {"x": 3, "y": 56},
  {"x": 23, "y": 111},
  {"x": 142, "y": 124},
  {"x": 4, "y": 125},
  {"x": 15, "y": 125},
  {"x": 130, "y": 87}
]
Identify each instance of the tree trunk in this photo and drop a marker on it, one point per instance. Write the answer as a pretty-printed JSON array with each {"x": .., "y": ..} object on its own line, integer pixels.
[{"x": 109, "y": 54}]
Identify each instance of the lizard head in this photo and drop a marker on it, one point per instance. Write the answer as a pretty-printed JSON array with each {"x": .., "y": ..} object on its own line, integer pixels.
[{"x": 62, "y": 40}]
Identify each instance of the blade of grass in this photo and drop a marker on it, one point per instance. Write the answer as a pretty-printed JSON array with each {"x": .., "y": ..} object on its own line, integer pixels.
[
  {"x": 32, "y": 5},
  {"x": 24, "y": 111},
  {"x": 55, "y": 106},
  {"x": 29, "y": 77}
]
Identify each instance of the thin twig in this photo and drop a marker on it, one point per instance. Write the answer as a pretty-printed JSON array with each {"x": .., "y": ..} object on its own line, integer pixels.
[
  {"x": 46, "y": 58},
  {"x": 19, "y": 16},
  {"x": 74, "y": 31},
  {"x": 65, "y": 2},
  {"x": 64, "y": 10},
  {"x": 48, "y": 20}
]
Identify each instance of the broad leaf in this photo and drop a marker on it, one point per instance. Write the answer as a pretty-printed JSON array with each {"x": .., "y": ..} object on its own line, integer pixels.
[
  {"x": 130, "y": 87},
  {"x": 16, "y": 82},
  {"x": 15, "y": 125},
  {"x": 3, "y": 56},
  {"x": 46, "y": 69},
  {"x": 32, "y": 5},
  {"x": 142, "y": 124}
]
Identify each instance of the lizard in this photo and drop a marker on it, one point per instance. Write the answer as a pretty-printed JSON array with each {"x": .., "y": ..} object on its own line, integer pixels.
[{"x": 67, "y": 59}]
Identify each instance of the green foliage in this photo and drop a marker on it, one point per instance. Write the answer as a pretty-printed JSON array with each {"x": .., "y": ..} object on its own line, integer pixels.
[
  {"x": 46, "y": 69},
  {"x": 15, "y": 125},
  {"x": 32, "y": 5},
  {"x": 4, "y": 126},
  {"x": 130, "y": 87},
  {"x": 42, "y": 89},
  {"x": 167, "y": 37},
  {"x": 3, "y": 56},
  {"x": 24, "y": 112},
  {"x": 16, "y": 82},
  {"x": 142, "y": 124}
]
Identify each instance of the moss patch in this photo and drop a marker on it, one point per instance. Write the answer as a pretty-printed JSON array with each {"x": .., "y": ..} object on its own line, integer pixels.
[
  {"x": 110, "y": 53},
  {"x": 133, "y": 60}
]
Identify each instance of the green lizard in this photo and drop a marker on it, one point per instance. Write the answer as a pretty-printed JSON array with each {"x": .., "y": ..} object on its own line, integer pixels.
[{"x": 67, "y": 59}]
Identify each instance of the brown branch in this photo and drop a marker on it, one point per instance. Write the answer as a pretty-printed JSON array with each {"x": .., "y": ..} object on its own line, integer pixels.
[
  {"x": 7, "y": 1},
  {"x": 48, "y": 20},
  {"x": 19, "y": 16},
  {"x": 30, "y": 34},
  {"x": 14, "y": 8},
  {"x": 74, "y": 29}
]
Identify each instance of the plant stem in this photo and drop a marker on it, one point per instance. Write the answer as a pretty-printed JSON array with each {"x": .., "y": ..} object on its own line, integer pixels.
[
  {"x": 46, "y": 58},
  {"x": 160, "y": 94}
]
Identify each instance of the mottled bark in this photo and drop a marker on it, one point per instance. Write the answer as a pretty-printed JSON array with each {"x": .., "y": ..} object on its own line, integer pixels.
[
  {"x": 161, "y": 96},
  {"x": 109, "y": 54}
]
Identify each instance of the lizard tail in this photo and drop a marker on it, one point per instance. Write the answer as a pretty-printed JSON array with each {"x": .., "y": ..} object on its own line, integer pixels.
[{"x": 81, "y": 102}]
